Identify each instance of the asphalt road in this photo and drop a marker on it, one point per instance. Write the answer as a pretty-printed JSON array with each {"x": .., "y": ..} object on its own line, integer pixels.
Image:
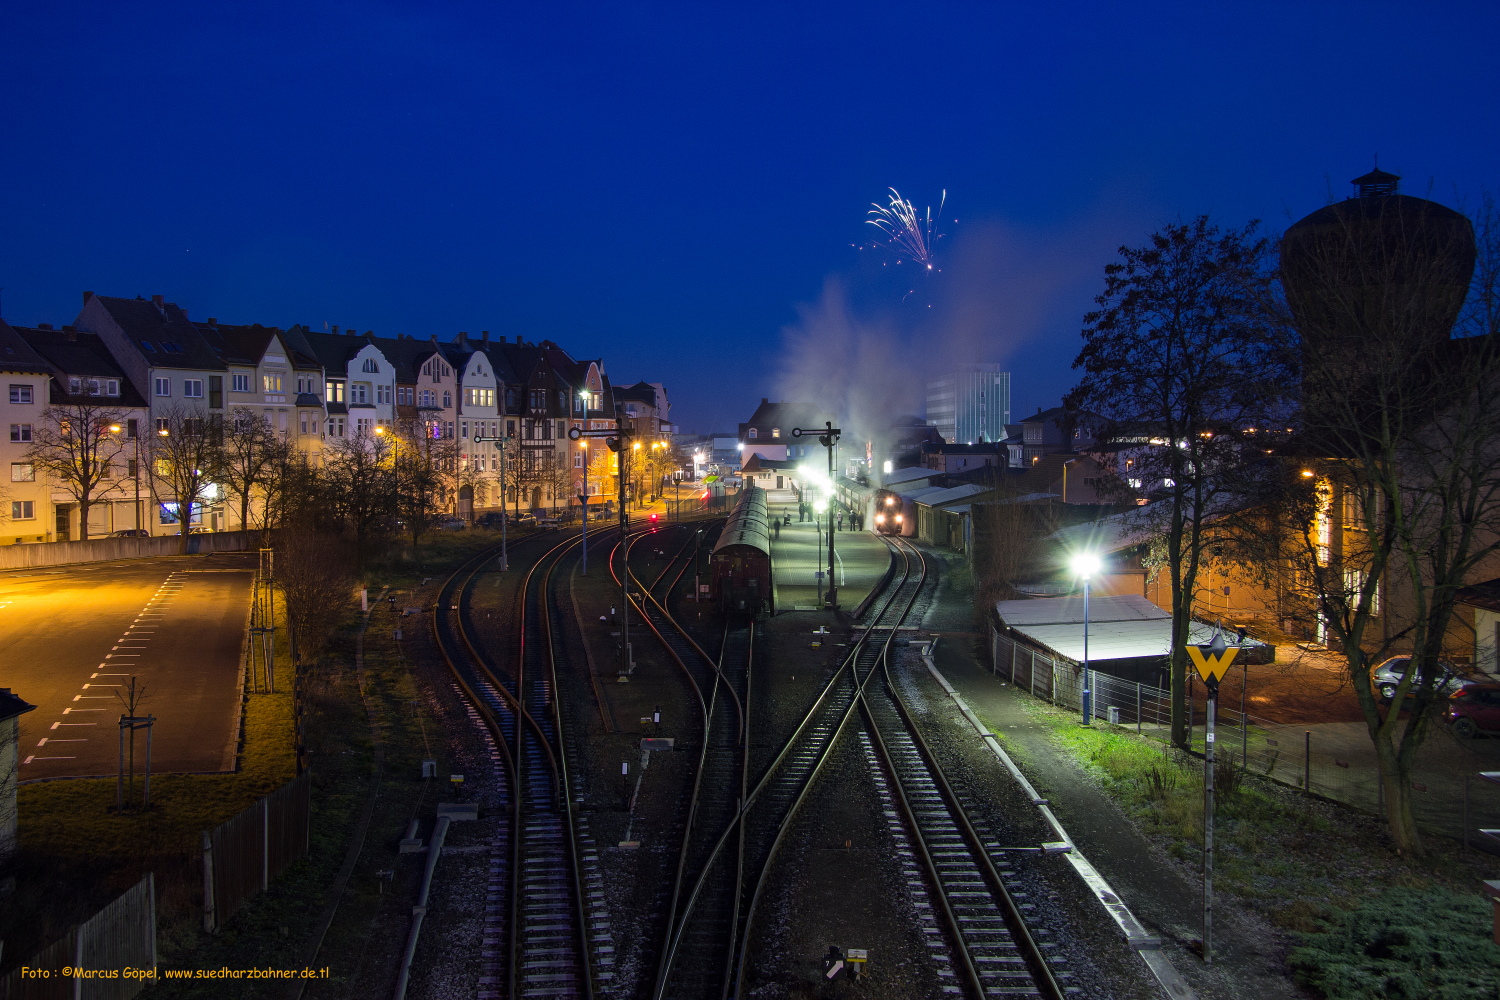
[{"x": 72, "y": 638}]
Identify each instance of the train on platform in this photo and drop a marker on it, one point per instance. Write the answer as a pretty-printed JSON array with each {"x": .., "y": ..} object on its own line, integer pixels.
[
  {"x": 885, "y": 512},
  {"x": 740, "y": 564}
]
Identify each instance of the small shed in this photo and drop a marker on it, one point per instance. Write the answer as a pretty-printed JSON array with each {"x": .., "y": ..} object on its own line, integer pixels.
[{"x": 11, "y": 710}]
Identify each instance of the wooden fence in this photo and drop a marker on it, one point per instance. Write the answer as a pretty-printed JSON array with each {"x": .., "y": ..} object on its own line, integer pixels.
[
  {"x": 118, "y": 941},
  {"x": 243, "y": 855},
  {"x": 101, "y": 549}
]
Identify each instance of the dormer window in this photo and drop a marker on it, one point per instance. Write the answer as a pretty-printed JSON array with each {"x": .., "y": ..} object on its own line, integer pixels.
[
  {"x": 369, "y": 366},
  {"x": 146, "y": 345},
  {"x": 753, "y": 434}
]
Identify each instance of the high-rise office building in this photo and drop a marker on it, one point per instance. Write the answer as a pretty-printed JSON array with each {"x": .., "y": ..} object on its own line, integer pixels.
[{"x": 970, "y": 404}]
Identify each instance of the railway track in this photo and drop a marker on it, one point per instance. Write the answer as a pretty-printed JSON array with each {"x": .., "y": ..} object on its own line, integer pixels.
[
  {"x": 544, "y": 933},
  {"x": 982, "y": 920}
]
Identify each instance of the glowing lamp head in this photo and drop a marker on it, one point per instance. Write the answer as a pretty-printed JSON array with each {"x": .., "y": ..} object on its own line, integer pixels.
[
  {"x": 820, "y": 505},
  {"x": 1085, "y": 564},
  {"x": 1307, "y": 473}
]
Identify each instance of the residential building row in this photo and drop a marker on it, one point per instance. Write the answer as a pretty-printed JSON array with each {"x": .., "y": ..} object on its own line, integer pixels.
[{"x": 147, "y": 363}]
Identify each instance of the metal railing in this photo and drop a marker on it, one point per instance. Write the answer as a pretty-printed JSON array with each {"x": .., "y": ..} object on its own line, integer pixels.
[{"x": 1333, "y": 760}]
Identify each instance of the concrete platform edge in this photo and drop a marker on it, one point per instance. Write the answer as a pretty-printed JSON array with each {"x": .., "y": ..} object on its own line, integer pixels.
[{"x": 1144, "y": 944}]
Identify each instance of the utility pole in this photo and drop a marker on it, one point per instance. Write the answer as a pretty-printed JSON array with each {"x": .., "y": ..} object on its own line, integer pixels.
[
  {"x": 502, "y": 440},
  {"x": 618, "y": 443},
  {"x": 583, "y": 500},
  {"x": 828, "y": 436}
]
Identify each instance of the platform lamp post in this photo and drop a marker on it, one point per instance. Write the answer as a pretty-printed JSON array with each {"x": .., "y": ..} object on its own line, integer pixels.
[
  {"x": 583, "y": 500},
  {"x": 1085, "y": 565},
  {"x": 828, "y": 436}
]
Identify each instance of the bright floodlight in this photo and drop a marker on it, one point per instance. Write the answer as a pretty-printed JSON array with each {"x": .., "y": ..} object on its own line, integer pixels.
[{"x": 1085, "y": 564}]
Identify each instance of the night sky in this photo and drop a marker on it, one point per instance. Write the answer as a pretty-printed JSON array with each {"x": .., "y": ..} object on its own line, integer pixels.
[{"x": 672, "y": 187}]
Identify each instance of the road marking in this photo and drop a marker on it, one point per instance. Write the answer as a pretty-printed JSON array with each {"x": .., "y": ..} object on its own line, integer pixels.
[
  {"x": 68, "y": 710},
  {"x": 102, "y": 674},
  {"x": 56, "y": 724},
  {"x": 54, "y": 739},
  {"x": 28, "y": 760},
  {"x": 102, "y": 685}
]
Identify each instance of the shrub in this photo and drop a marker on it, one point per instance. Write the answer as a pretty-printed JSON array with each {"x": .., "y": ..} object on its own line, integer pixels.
[{"x": 1403, "y": 945}]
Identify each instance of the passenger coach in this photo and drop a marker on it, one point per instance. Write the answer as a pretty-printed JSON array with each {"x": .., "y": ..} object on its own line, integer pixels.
[{"x": 740, "y": 565}]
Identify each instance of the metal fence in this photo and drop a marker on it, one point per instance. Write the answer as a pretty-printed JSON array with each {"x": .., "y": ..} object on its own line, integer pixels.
[
  {"x": 1333, "y": 760},
  {"x": 242, "y": 855},
  {"x": 118, "y": 941}
]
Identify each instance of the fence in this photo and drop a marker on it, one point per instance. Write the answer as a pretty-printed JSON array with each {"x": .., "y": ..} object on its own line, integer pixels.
[
  {"x": 101, "y": 549},
  {"x": 243, "y": 854},
  {"x": 120, "y": 937},
  {"x": 1333, "y": 760}
]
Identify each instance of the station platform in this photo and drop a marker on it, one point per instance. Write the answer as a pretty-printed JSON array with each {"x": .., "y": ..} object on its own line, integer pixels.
[{"x": 799, "y": 553}]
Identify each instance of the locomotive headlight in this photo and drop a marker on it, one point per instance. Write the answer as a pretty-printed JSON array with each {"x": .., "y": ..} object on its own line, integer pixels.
[
  {"x": 879, "y": 518},
  {"x": 898, "y": 518},
  {"x": 889, "y": 501}
]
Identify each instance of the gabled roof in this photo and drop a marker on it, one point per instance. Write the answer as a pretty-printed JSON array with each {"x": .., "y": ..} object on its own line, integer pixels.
[
  {"x": 906, "y": 475},
  {"x": 162, "y": 332},
  {"x": 755, "y": 464},
  {"x": 16, "y": 355},
  {"x": 641, "y": 392},
  {"x": 333, "y": 351},
  {"x": 247, "y": 345},
  {"x": 80, "y": 355},
  {"x": 12, "y": 705}
]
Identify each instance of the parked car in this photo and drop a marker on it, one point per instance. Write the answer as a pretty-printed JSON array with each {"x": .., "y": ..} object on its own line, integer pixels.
[
  {"x": 548, "y": 521},
  {"x": 452, "y": 524},
  {"x": 130, "y": 533},
  {"x": 1473, "y": 709},
  {"x": 525, "y": 517},
  {"x": 490, "y": 519},
  {"x": 1388, "y": 674}
]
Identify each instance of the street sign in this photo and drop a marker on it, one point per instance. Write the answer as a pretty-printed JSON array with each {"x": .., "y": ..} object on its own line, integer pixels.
[{"x": 1213, "y": 660}]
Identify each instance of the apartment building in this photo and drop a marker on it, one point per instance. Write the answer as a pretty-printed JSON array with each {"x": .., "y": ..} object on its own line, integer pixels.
[
  {"x": 27, "y": 498},
  {"x": 970, "y": 404}
]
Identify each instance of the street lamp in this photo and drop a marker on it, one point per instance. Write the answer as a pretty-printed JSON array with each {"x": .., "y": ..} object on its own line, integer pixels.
[
  {"x": 583, "y": 501},
  {"x": 1085, "y": 565}
]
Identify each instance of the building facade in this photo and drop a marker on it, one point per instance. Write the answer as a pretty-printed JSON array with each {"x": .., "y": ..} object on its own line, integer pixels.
[{"x": 970, "y": 404}]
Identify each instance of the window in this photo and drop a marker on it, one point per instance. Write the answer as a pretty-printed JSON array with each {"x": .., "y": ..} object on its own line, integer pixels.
[
  {"x": 775, "y": 433},
  {"x": 112, "y": 387},
  {"x": 510, "y": 399},
  {"x": 171, "y": 347},
  {"x": 578, "y": 459},
  {"x": 335, "y": 392},
  {"x": 369, "y": 366},
  {"x": 359, "y": 392},
  {"x": 132, "y": 469},
  {"x": 578, "y": 404},
  {"x": 163, "y": 425},
  {"x": 362, "y": 426},
  {"x": 22, "y": 472},
  {"x": 164, "y": 387},
  {"x": 192, "y": 388},
  {"x": 447, "y": 400},
  {"x": 479, "y": 397},
  {"x": 241, "y": 383},
  {"x": 406, "y": 396},
  {"x": 132, "y": 429},
  {"x": 753, "y": 434},
  {"x": 20, "y": 394},
  {"x": 463, "y": 429},
  {"x": 539, "y": 399},
  {"x": 271, "y": 382},
  {"x": 147, "y": 346},
  {"x": 22, "y": 510},
  {"x": 335, "y": 426},
  {"x": 303, "y": 422},
  {"x": 510, "y": 428},
  {"x": 382, "y": 394},
  {"x": 20, "y": 433}
]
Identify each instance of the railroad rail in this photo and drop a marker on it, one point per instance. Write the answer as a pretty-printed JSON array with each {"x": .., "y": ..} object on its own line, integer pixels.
[
  {"x": 541, "y": 938},
  {"x": 981, "y": 918}
]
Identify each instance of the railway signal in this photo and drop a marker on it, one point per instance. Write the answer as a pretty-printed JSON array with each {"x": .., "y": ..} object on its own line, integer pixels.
[
  {"x": 502, "y": 440},
  {"x": 828, "y": 436},
  {"x": 616, "y": 441},
  {"x": 1212, "y": 661}
]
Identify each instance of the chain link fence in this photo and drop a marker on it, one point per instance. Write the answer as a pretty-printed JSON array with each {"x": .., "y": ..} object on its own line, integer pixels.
[{"x": 1335, "y": 760}]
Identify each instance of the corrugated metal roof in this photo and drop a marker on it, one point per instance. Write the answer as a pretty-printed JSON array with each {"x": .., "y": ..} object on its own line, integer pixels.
[
  {"x": 1069, "y": 610},
  {"x": 907, "y": 475},
  {"x": 951, "y": 494},
  {"x": 1117, "y": 640}
]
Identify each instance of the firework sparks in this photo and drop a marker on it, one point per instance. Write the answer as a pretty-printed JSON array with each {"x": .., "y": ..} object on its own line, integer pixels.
[{"x": 904, "y": 232}]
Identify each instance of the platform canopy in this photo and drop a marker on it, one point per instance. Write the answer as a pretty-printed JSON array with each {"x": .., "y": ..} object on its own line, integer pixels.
[{"x": 1128, "y": 627}]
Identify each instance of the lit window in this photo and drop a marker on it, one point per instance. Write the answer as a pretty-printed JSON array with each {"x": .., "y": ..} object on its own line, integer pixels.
[
  {"x": 22, "y": 472},
  {"x": 335, "y": 392},
  {"x": 775, "y": 433},
  {"x": 271, "y": 382}
]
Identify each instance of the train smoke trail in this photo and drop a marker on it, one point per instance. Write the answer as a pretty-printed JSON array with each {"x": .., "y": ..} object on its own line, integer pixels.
[{"x": 905, "y": 233}]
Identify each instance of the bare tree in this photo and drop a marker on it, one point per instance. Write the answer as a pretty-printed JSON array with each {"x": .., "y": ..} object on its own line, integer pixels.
[
  {"x": 185, "y": 454},
  {"x": 78, "y": 444},
  {"x": 362, "y": 485},
  {"x": 1181, "y": 360},
  {"x": 315, "y": 570},
  {"x": 253, "y": 451},
  {"x": 426, "y": 474}
]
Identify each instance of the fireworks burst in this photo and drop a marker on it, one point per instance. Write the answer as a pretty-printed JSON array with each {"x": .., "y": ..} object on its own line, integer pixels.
[{"x": 904, "y": 232}]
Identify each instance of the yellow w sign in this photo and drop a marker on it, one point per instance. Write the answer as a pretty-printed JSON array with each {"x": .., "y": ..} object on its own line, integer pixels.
[{"x": 1212, "y": 663}]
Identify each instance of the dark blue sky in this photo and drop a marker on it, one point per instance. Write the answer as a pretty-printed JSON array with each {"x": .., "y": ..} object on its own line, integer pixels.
[{"x": 664, "y": 185}]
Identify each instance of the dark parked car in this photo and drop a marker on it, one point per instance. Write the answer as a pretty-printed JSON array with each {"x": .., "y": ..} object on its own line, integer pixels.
[
  {"x": 490, "y": 519},
  {"x": 1389, "y": 674},
  {"x": 130, "y": 533},
  {"x": 1473, "y": 709}
]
